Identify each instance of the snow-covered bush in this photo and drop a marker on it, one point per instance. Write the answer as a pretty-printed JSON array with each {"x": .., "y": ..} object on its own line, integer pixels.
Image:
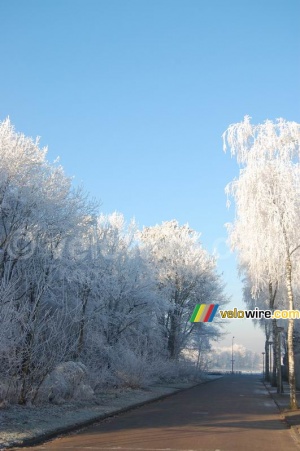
[
  {"x": 68, "y": 381},
  {"x": 131, "y": 369},
  {"x": 182, "y": 370}
]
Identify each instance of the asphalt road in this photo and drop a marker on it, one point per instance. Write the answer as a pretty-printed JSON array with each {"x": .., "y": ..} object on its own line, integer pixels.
[{"x": 234, "y": 413}]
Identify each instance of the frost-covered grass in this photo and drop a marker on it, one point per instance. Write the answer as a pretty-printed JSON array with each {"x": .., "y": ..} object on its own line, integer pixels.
[
  {"x": 19, "y": 423},
  {"x": 132, "y": 381}
]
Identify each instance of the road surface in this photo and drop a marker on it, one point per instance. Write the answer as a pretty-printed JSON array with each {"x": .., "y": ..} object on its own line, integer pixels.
[{"x": 234, "y": 413}]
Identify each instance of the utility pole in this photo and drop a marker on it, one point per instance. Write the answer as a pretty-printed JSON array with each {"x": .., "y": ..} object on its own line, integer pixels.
[{"x": 263, "y": 354}]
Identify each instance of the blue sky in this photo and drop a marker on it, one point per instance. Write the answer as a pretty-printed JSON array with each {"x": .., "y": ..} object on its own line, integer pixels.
[{"x": 133, "y": 95}]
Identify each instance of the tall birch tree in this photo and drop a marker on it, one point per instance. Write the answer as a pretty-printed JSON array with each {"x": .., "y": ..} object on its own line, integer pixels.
[{"x": 266, "y": 230}]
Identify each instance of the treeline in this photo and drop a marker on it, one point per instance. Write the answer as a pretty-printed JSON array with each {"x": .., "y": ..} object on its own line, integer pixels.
[
  {"x": 243, "y": 359},
  {"x": 80, "y": 286}
]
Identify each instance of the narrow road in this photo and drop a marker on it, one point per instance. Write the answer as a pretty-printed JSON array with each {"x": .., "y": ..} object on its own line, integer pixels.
[{"x": 234, "y": 413}]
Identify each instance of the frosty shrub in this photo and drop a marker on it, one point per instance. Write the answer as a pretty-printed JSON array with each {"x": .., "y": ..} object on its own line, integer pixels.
[
  {"x": 171, "y": 371},
  {"x": 102, "y": 377},
  {"x": 68, "y": 381},
  {"x": 132, "y": 370}
]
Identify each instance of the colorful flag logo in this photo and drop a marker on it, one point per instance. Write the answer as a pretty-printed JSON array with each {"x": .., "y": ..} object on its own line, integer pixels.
[{"x": 204, "y": 313}]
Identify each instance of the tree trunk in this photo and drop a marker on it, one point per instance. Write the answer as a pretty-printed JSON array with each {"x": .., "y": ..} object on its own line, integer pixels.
[
  {"x": 174, "y": 329},
  {"x": 81, "y": 328},
  {"x": 267, "y": 371},
  {"x": 26, "y": 367},
  {"x": 78, "y": 351},
  {"x": 27, "y": 351},
  {"x": 291, "y": 359},
  {"x": 272, "y": 296},
  {"x": 267, "y": 352},
  {"x": 275, "y": 353},
  {"x": 172, "y": 338}
]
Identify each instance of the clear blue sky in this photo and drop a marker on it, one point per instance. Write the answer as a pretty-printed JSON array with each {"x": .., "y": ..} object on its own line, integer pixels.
[{"x": 133, "y": 95}]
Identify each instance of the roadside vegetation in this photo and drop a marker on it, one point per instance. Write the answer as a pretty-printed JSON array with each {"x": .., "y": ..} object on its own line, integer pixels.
[{"x": 89, "y": 301}]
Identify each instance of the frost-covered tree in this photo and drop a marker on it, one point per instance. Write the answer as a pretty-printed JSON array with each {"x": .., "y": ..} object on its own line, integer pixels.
[
  {"x": 266, "y": 230},
  {"x": 186, "y": 275},
  {"x": 38, "y": 210},
  {"x": 114, "y": 297},
  {"x": 79, "y": 290},
  {"x": 269, "y": 297},
  {"x": 128, "y": 297}
]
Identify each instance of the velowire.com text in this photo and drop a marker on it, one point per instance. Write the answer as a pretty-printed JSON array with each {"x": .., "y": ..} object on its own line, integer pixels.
[{"x": 259, "y": 314}]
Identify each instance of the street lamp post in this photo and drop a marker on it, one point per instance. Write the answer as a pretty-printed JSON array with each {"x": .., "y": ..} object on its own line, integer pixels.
[
  {"x": 232, "y": 361},
  {"x": 279, "y": 376},
  {"x": 270, "y": 343},
  {"x": 263, "y": 355},
  {"x": 267, "y": 369}
]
